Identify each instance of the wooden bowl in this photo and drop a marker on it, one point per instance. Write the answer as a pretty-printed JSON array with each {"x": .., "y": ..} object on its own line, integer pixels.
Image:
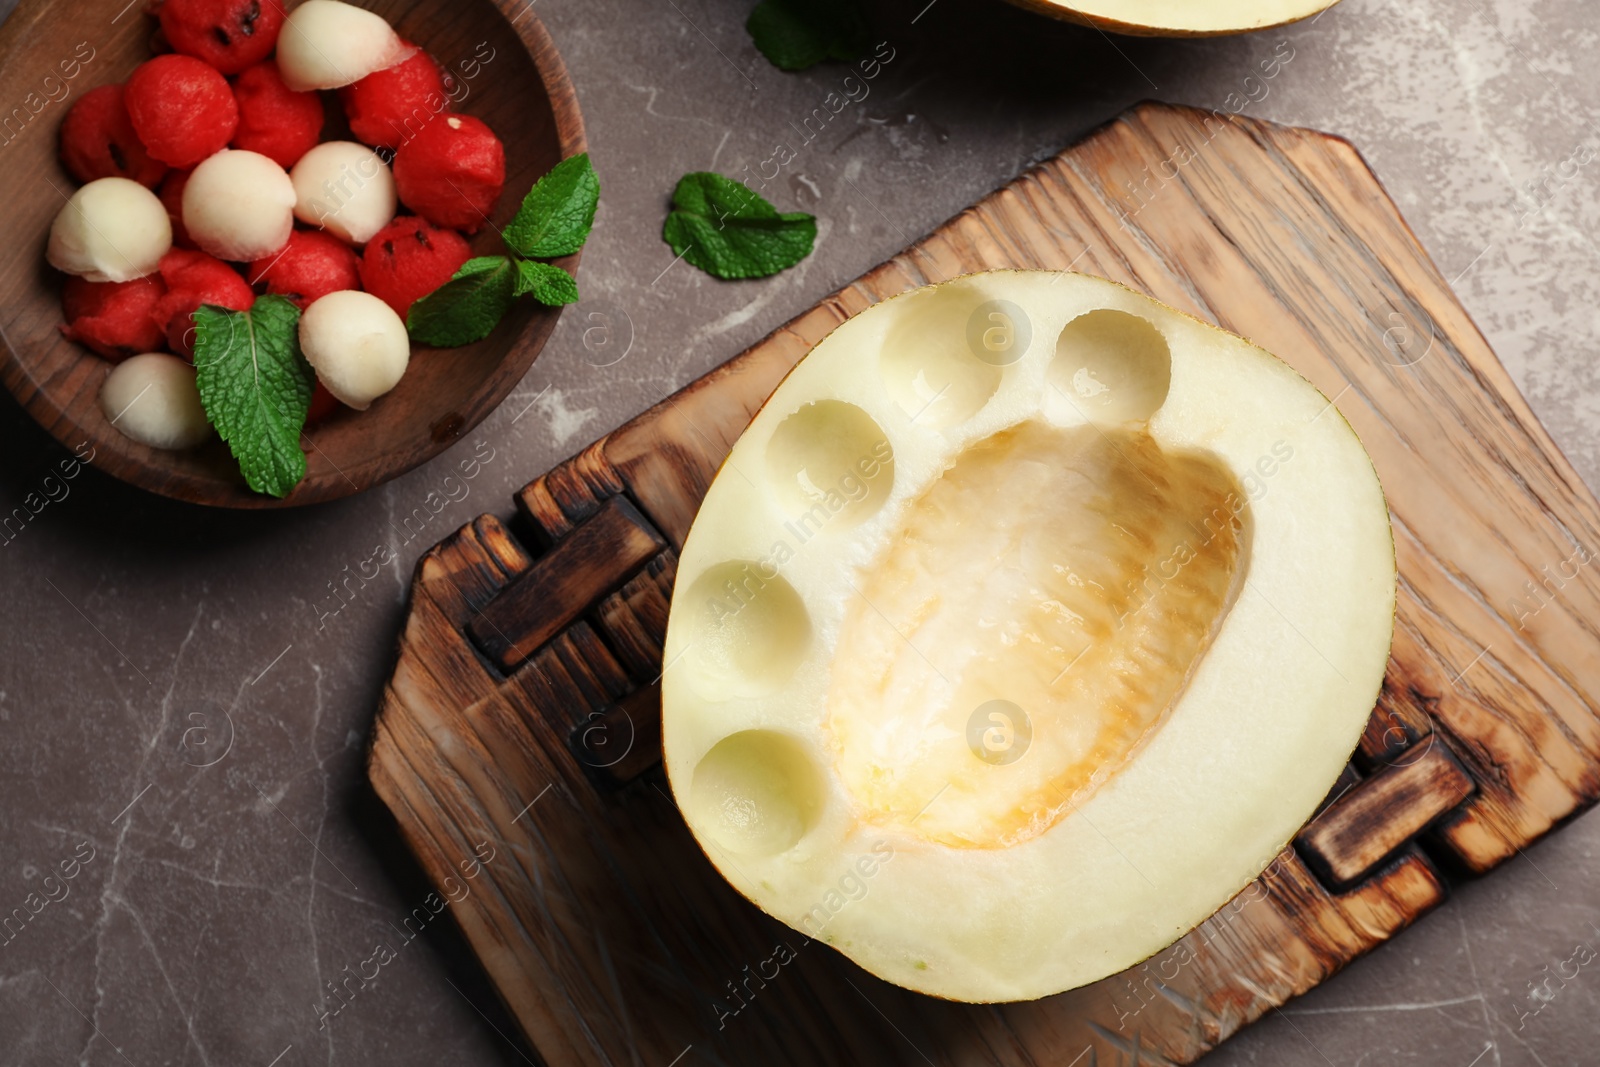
[{"x": 52, "y": 51}]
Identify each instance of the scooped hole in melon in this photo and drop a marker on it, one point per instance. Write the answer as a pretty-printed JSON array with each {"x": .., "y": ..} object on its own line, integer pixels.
[
  {"x": 748, "y": 630},
  {"x": 1111, "y": 367},
  {"x": 831, "y": 467},
  {"x": 756, "y": 792},
  {"x": 945, "y": 354}
]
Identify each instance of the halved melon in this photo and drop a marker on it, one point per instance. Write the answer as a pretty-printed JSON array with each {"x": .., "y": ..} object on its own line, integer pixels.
[
  {"x": 1022, "y": 629},
  {"x": 1179, "y": 18}
]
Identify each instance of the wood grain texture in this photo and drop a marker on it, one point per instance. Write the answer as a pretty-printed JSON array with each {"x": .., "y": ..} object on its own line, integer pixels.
[
  {"x": 510, "y": 76},
  {"x": 614, "y": 941}
]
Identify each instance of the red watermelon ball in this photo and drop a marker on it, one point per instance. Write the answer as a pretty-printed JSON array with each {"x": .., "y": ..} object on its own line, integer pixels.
[
  {"x": 323, "y": 405},
  {"x": 388, "y": 107},
  {"x": 451, "y": 172},
  {"x": 194, "y": 278},
  {"x": 182, "y": 109},
  {"x": 410, "y": 258},
  {"x": 170, "y": 194},
  {"x": 230, "y": 35},
  {"x": 116, "y": 319},
  {"x": 313, "y": 264},
  {"x": 97, "y": 141},
  {"x": 274, "y": 120}
]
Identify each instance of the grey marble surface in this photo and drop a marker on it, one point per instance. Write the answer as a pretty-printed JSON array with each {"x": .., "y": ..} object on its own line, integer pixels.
[{"x": 176, "y": 702}]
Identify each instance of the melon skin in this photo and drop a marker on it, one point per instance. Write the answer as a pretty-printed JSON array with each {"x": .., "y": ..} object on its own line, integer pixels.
[{"x": 1220, "y": 699}]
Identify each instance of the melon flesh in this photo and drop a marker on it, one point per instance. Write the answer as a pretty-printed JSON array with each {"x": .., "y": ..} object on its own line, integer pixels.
[
  {"x": 1180, "y": 18},
  {"x": 1024, "y": 626}
]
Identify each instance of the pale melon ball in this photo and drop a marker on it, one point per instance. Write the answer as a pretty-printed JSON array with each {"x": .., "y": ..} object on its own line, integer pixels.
[
  {"x": 239, "y": 205},
  {"x": 111, "y": 230},
  {"x": 356, "y": 344},
  {"x": 325, "y": 44},
  {"x": 345, "y": 188},
  {"x": 152, "y": 398}
]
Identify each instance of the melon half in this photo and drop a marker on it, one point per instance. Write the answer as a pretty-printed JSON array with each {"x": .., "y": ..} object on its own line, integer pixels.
[
  {"x": 1179, "y": 18},
  {"x": 1023, "y": 627}
]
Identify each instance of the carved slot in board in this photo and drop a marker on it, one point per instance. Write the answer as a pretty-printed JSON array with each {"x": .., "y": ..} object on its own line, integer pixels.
[
  {"x": 582, "y": 567},
  {"x": 621, "y": 742},
  {"x": 1381, "y": 813}
]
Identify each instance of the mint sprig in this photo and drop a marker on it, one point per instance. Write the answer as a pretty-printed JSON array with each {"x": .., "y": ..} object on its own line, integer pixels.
[
  {"x": 255, "y": 386},
  {"x": 727, "y": 230},
  {"x": 554, "y": 220},
  {"x": 796, "y": 34}
]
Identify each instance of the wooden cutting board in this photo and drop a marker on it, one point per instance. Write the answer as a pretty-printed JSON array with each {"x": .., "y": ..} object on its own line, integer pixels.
[{"x": 521, "y": 722}]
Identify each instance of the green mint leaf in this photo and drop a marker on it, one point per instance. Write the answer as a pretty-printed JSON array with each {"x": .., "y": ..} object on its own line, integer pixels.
[
  {"x": 729, "y": 232},
  {"x": 548, "y": 283},
  {"x": 796, "y": 34},
  {"x": 556, "y": 214},
  {"x": 256, "y": 386},
  {"x": 467, "y": 307}
]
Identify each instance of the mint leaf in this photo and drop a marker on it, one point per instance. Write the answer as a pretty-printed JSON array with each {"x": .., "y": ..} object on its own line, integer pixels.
[
  {"x": 548, "y": 283},
  {"x": 729, "y": 232},
  {"x": 796, "y": 34},
  {"x": 558, "y": 211},
  {"x": 467, "y": 307},
  {"x": 256, "y": 386}
]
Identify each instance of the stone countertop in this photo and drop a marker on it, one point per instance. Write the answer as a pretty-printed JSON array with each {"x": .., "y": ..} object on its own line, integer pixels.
[{"x": 184, "y": 705}]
